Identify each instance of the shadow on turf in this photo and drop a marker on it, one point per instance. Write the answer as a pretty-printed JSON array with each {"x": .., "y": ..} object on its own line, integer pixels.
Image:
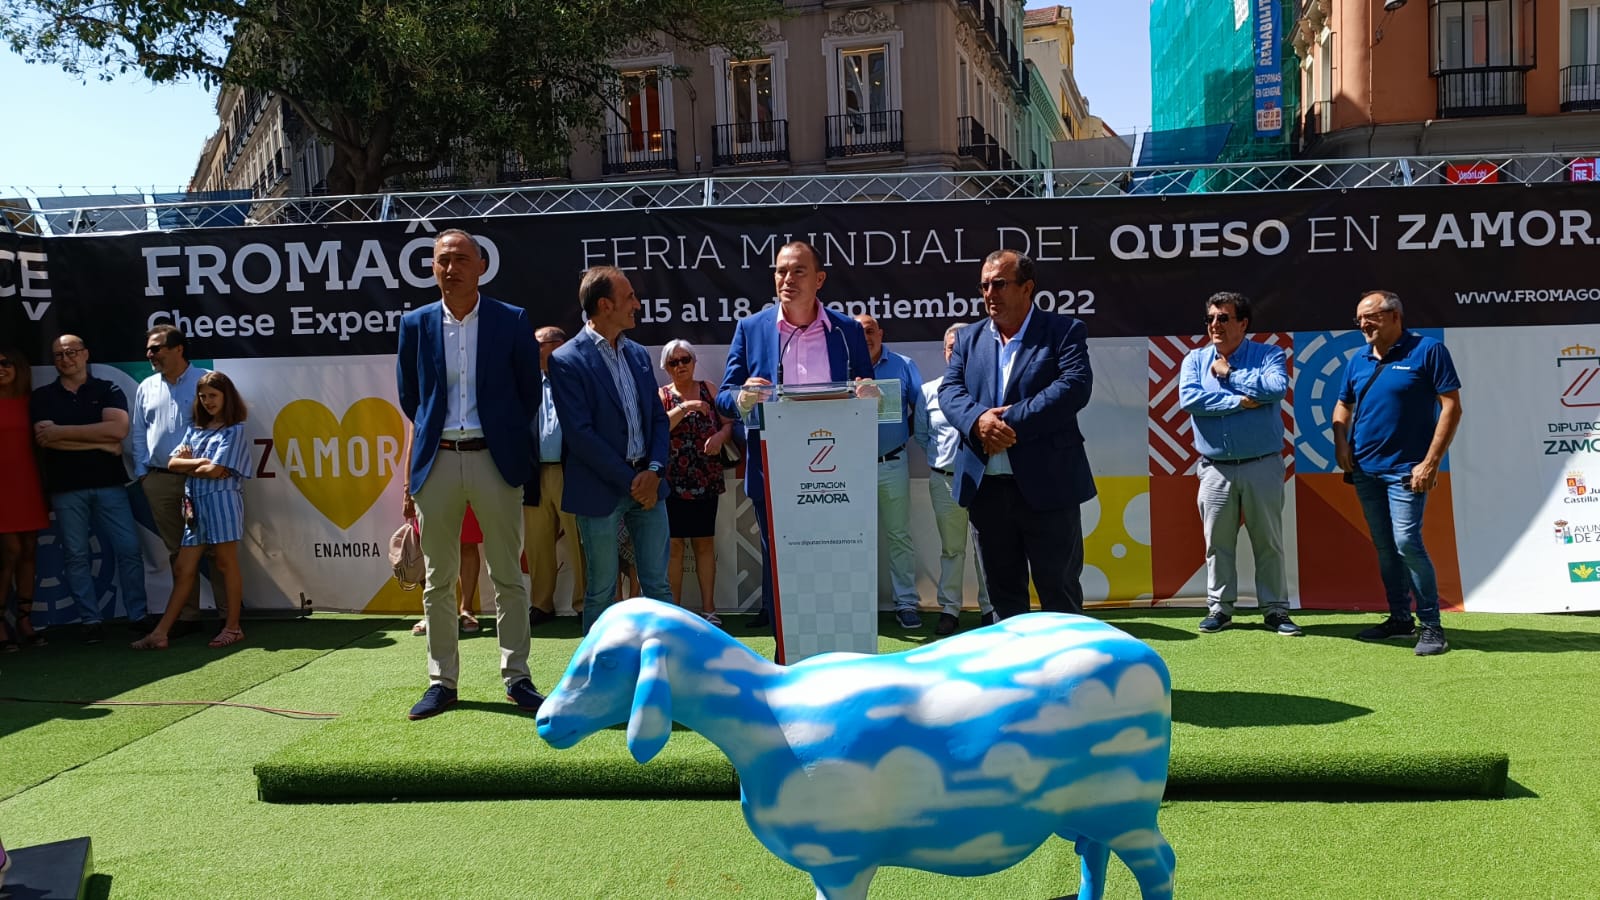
[
  {"x": 52, "y": 681},
  {"x": 1328, "y": 793},
  {"x": 1241, "y": 709}
]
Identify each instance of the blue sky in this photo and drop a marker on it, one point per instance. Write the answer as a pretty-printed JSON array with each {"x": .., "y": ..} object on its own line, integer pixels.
[{"x": 76, "y": 137}]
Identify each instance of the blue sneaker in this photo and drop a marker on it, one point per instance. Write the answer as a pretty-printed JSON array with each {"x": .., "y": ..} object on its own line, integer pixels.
[
  {"x": 1215, "y": 622},
  {"x": 525, "y": 696},
  {"x": 908, "y": 618},
  {"x": 1281, "y": 623},
  {"x": 435, "y": 700}
]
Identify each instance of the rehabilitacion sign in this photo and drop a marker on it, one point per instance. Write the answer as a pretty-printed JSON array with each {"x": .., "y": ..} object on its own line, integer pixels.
[{"x": 1268, "y": 71}]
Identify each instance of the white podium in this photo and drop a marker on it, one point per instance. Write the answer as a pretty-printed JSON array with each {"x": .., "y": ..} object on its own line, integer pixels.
[{"x": 820, "y": 459}]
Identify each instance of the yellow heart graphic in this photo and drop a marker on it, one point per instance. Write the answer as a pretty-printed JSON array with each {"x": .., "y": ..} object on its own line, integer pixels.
[{"x": 341, "y": 465}]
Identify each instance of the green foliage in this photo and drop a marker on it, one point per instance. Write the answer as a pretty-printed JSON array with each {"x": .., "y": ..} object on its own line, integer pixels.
[{"x": 395, "y": 86}]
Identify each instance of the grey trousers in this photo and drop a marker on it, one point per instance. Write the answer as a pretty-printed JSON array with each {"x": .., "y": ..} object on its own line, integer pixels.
[
  {"x": 457, "y": 478},
  {"x": 1253, "y": 490}
]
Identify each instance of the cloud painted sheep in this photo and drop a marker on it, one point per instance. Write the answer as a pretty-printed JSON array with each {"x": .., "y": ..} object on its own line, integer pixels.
[{"x": 960, "y": 757}]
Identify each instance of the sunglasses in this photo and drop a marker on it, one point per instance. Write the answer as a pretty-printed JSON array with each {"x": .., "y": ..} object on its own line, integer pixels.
[
  {"x": 66, "y": 354},
  {"x": 7, "y": 364},
  {"x": 1219, "y": 318},
  {"x": 679, "y": 361},
  {"x": 995, "y": 284}
]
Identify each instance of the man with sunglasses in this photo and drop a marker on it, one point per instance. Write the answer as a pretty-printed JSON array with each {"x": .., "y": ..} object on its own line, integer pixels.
[
  {"x": 1231, "y": 390},
  {"x": 163, "y": 409},
  {"x": 79, "y": 422},
  {"x": 1013, "y": 390}
]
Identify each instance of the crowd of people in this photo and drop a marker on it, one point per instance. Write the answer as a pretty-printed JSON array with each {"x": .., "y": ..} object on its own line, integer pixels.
[{"x": 522, "y": 439}]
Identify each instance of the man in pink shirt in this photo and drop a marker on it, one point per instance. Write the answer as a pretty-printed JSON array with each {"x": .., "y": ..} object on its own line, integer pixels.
[{"x": 795, "y": 341}]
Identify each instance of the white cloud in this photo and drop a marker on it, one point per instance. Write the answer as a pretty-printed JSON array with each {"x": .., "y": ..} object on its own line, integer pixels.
[
  {"x": 818, "y": 855},
  {"x": 1128, "y": 742},
  {"x": 652, "y": 724},
  {"x": 988, "y": 848},
  {"x": 704, "y": 683},
  {"x": 898, "y": 792},
  {"x": 1139, "y": 839},
  {"x": 1013, "y": 762},
  {"x": 1100, "y": 789},
  {"x": 1069, "y": 665},
  {"x": 1034, "y": 624},
  {"x": 799, "y": 734},
  {"x": 951, "y": 702},
  {"x": 1139, "y": 691},
  {"x": 740, "y": 659},
  {"x": 1021, "y": 651},
  {"x": 826, "y": 686},
  {"x": 966, "y": 644}
]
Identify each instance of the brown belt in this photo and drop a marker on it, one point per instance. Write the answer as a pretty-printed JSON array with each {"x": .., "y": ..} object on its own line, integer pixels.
[{"x": 464, "y": 446}]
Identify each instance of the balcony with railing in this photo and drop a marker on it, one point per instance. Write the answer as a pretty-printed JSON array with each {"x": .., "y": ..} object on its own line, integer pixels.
[
  {"x": 1580, "y": 88},
  {"x": 515, "y": 169},
  {"x": 973, "y": 8},
  {"x": 974, "y": 142},
  {"x": 749, "y": 143},
  {"x": 640, "y": 151},
  {"x": 864, "y": 133},
  {"x": 1484, "y": 91}
]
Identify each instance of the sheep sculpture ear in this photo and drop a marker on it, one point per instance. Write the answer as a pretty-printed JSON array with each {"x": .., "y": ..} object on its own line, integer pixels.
[{"x": 650, "y": 723}]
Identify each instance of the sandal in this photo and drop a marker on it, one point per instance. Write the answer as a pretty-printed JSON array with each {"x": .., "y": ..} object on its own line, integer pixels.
[
  {"x": 420, "y": 629},
  {"x": 25, "y": 630},
  {"x": 227, "y": 637},
  {"x": 151, "y": 641},
  {"x": 469, "y": 624},
  {"x": 7, "y": 644}
]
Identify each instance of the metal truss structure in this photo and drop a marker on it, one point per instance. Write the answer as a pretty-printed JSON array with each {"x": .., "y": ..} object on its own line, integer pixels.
[{"x": 734, "y": 191}]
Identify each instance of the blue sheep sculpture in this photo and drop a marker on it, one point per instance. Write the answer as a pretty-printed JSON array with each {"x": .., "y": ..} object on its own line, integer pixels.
[{"x": 960, "y": 757}]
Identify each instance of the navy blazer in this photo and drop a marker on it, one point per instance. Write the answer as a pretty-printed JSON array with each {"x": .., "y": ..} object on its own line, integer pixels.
[
  {"x": 508, "y": 386},
  {"x": 754, "y": 354},
  {"x": 1050, "y": 381},
  {"x": 594, "y": 429}
]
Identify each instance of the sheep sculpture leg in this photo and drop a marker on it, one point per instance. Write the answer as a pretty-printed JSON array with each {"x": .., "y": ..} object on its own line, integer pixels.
[
  {"x": 856, "y": 889},
  {"x": 1095, "y": 857},
  {"x": 1145, "y": 852}
]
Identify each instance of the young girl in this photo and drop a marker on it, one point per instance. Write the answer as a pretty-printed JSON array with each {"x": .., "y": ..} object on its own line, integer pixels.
[{"x": 216, "y": 457}]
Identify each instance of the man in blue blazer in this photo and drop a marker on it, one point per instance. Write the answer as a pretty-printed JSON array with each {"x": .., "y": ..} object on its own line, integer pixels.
[
  {"x": 616, "y": 436},
  {"x": 468, "y": 372},
  {"x": 1013, "y": 390},
  {"x": 798, "y": 341}
]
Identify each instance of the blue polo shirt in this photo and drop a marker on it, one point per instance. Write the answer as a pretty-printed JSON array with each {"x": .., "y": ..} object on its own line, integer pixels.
[
  {"x": 1395, "y": 420},
  {"x": 892, "y": 436}
]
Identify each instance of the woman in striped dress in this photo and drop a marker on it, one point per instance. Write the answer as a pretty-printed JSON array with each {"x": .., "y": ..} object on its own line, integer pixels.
[{"x": 216, "y": 457}]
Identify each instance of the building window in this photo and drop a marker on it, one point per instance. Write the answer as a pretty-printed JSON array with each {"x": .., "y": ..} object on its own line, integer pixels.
[
  {"x": 1480, "y": 53},
  {"x": 961, "y": 87},
  {"x": 864, "y": 84},
  {"x": 752, "y": 123},
  {"x": 752, "y": 112},
  {"x": 642, "y": 111},
  {"x": 1477, "y": 34},
  {"x": 1580, "y": 78}
]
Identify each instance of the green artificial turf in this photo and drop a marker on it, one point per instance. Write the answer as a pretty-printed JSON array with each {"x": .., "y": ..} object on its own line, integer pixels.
[
  {"x": 46, "y": 729},
  {"x": 375, "y": 753},
  {"x": 175, "y": 812}
]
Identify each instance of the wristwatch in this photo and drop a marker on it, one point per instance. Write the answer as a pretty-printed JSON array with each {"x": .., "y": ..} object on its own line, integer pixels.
[{"x": 655, "y": 467}]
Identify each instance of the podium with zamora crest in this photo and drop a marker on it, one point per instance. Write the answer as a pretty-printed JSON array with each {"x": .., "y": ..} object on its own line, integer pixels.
[{"x": 820, "y": 445}]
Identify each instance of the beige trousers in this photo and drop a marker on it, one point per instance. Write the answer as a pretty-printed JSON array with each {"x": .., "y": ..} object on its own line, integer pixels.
[
  {"x": 541, "y": 524},
  {"x": 456, "y": 479}
]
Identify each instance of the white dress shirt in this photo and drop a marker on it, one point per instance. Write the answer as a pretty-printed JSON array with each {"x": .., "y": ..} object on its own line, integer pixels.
[{"x": 461, "y": 374}]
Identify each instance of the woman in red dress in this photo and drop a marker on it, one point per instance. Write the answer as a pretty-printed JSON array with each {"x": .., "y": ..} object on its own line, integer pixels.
[
  {"x": 694, "y": 472},
  {"x": 23, "y": 514}
]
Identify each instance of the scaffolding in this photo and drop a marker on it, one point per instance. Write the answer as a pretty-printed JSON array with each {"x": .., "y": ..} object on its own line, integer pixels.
[
  {"x": 1202, "y": 72},
  {"x": 720, "y": 192}
]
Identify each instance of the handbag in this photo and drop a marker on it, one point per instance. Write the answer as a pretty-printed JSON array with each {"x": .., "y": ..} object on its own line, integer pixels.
[
  {"x": 730, "y": 453},
  {"x": 405, "y": 556}
]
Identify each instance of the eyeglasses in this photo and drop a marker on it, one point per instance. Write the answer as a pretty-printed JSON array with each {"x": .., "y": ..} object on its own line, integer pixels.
[
  {"x": 995, "y": 284},
  {"x": 1373, "y": 318},
  {"x": 556, "y": 341},
  {"x": 7, "y": 364},
  {"x": 679, "y": 361},
  {"x": 152, "y": 351},
  {"x": 1219, "y": 318},
  {"x": 66, "y": 354}
]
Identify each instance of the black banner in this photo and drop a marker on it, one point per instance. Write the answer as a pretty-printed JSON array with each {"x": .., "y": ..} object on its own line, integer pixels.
[{"x": 1128, "y": 266}]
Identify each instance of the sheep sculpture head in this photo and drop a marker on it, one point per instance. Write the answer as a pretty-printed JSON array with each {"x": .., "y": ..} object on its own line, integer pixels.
[{"x": 960, "y": 757}]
